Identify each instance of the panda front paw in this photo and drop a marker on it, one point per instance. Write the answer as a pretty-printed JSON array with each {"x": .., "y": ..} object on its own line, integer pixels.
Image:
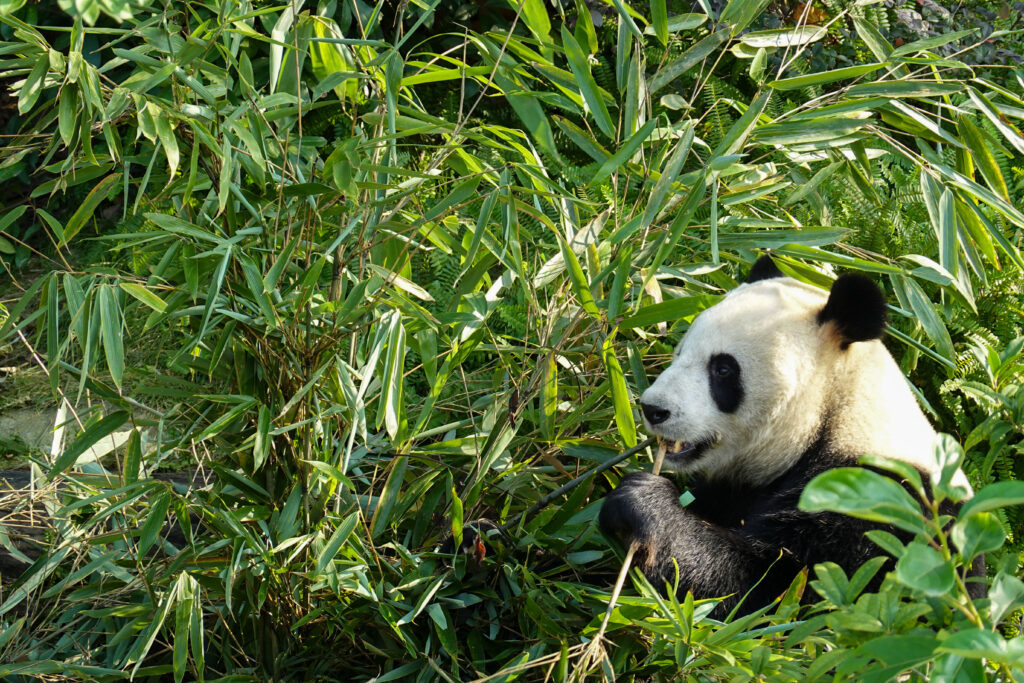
[{"x": 638, "y": 509}]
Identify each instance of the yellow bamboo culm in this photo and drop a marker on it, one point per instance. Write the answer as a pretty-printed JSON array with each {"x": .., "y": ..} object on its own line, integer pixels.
[{"x": 595, "y": 649}]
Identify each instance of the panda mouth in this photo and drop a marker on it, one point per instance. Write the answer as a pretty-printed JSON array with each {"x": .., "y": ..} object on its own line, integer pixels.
[{"x": 686, "y": 452}]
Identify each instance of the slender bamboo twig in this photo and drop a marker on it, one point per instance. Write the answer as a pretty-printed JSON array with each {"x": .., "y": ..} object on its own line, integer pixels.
[
  {"x": 561, "y": 490},
  {"x": 592, "y": 652}
]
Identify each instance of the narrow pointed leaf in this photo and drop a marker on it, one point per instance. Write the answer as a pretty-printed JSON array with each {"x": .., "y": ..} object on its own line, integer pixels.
[{"x": 592, "y": 94}]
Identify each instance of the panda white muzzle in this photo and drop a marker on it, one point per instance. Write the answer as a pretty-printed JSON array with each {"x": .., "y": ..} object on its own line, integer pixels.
[{"x": 678, "y": 452}]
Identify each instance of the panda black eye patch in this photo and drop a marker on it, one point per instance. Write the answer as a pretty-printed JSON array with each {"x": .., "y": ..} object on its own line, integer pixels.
[{"x": 724, "y": 381}]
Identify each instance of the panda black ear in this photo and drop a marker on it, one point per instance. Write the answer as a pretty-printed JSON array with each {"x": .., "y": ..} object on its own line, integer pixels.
[
  {"x": 764, "y": 269},
  {"x": 857, "y": 309}
]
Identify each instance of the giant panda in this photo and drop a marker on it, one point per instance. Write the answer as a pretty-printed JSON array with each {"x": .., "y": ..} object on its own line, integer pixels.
[{"x": 773, "y": 385}]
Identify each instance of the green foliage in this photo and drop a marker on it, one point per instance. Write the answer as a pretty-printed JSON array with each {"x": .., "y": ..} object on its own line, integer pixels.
[
  {"x": 923, "y": 621},
  {"x": 386, "y": 284}
]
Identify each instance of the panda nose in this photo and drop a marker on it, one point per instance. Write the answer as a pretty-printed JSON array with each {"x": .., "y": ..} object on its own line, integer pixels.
[{"x": 654, "y": 414}]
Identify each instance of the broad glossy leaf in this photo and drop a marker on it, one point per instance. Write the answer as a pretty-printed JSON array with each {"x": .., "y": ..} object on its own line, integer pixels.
[
  {"x": 923, "y": 568},
  {"x": 994, "y": 496},
  {"x": 977, "y": 643},
  {"x": 901, "y": 650},
  {"x": 976, "y": 534},
  {"x": 865, "y": 494},
  {"x": 1005, "y": 594},
  {"x": 905, "y": 471}
]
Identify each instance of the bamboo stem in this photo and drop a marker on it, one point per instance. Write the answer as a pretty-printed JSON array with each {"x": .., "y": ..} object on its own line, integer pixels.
[{"x": 591, "y": 653}]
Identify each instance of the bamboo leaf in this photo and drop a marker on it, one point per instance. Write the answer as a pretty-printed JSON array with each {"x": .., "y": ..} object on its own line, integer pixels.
[
  {"x": 668, "y": 176},
  {"x": 462, "y": 192},
  {"x": 1001, "y": 123},
  {"x": 931, "y": 43},
  {"x": 982, "y": 155},
  {"x": 680, "y": 22},
  {"x": 535, "y": 16},
  {"x": 87, "y": 440},
  {"x": 624, "y": 421},
  {"x": 778, "y": 38},
  {"x": 689, "y": 59},
  {"x": 167, "y": 140},
  {"x": 808, "y": 131},
  {"x": 592, "y": 94},
  {"x": 145, "y": 296},
  {"x": 112, "y": 323},
  {"x": 659, "y": 20},
  {"x": 394, "y": 363},
  {"x": 741, "y": 13},
  {"x": 905, "y": 89},
  {"x": 88, "y": 207},
  {"x": 262, "y": 442},
  {"x": 671, "y": 311},
  {"x": 616, "y": 297},
  {"x": 624, "y": 154},
  {"x": 155, "y": 519},
  {"x": 388, "y": 497},
  {"x": 67, "y": 114},
  {"x": 402, "y": 283},
  {"x": 33, "y": 85},
  {"x": 549, "y": 397},
  {"x": 582, "y": 139},
  {"x": 909, "y": 291},
  {"x": 736, "y": 138},
  {"x": 578, "y": 279},
  {"x": 337, "y": 540},
  {"x": 867, "y": 32},
  {"x": 822, "y": 77}
]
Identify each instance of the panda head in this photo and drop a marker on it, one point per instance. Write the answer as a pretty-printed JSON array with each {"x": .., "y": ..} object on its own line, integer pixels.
[{"x": 767, "y": 372}]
